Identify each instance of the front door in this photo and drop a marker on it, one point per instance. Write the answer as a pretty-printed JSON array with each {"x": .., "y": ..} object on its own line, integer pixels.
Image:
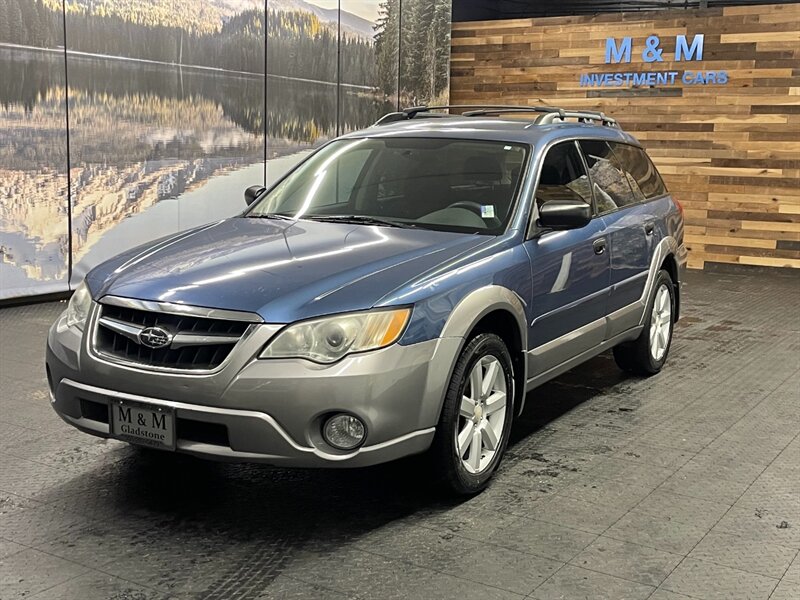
[{"x": 569, "y": 270}]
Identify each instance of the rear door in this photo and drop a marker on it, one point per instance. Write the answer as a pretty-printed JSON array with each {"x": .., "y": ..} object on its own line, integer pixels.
[
  {"x": 630, "y": 224},
  {"x": 569, "y": 269}
]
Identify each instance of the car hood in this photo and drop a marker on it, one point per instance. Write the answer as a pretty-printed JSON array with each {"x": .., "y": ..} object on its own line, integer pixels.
[{"x": 282, "y": 270}]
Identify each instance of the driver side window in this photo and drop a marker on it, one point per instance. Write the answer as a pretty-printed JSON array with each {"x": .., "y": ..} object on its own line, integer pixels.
[{"x": 563, "y": 176}]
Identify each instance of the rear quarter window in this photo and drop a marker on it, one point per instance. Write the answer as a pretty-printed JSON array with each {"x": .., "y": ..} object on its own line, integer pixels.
[
  {"x": 641, "y": 169},
  {"x": 614, "y": 187}
]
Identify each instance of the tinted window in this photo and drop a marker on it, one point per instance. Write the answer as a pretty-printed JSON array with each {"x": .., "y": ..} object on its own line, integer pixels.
[
  {"x": 612, "y": 184},
  {"x": 447, "y": 184},
  {"x": 563, "y": 176},
  {"x": 641, "y": 168}
]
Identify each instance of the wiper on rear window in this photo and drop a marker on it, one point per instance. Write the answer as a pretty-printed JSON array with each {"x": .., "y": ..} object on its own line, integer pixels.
[{"x": 359, "y": 219}]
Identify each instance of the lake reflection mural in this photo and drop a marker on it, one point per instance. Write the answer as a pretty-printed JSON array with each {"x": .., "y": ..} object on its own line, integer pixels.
[
  {"x": 34, "y": 220},
  {"x": 174, "y": 107}
]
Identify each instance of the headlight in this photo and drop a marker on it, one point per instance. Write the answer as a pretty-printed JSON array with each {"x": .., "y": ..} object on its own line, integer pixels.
[
  {"x": 78, "y": 308},
  {"x": 329, "y": 339}
]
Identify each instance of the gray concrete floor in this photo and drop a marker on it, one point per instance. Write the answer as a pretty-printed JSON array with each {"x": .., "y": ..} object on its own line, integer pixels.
[{"x": 685, "y": 485}]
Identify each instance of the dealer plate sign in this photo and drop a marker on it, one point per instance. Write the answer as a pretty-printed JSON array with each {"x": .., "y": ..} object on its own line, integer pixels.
[{"x": 145, "y": 424}]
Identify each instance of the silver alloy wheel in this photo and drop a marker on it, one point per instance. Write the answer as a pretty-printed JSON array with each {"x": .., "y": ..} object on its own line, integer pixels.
[
  {"x": 482, "y": 415},
  {"x": 661, "y": 323}
]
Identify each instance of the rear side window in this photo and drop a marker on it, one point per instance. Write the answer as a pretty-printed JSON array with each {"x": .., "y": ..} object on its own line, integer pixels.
[
  {"x": 563, "y": 176},
  {"x": 642, "y": 170},
  {"x": 614, "y": 186}
]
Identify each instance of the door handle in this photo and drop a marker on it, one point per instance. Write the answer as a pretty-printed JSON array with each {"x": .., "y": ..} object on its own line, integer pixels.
[
  {"x": 599, "y": 246},
  {"x": 649, "y": 227}
]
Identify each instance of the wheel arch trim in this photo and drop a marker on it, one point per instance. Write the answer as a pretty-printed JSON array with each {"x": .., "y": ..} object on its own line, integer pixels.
[
  {"x": 471, "y": 309},
  {"x": 666, "y": 248}
]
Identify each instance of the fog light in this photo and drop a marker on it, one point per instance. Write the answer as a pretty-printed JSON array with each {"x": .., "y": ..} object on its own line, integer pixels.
[{"x": 344, "y": 432}]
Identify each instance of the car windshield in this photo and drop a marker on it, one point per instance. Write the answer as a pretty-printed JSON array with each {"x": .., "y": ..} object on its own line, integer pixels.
[{"x": 455, "y": 185}]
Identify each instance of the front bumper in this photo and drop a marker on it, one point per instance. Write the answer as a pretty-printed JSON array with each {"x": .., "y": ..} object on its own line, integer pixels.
[{"x": 270, "y": 411}]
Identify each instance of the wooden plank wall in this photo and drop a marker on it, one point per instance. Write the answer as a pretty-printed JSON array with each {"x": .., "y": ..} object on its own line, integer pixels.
[{"x": 729, "y": 153}]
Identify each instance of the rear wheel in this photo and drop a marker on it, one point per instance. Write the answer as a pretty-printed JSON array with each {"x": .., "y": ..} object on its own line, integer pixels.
[
  {"x": 647, "y": 354},
  {"x": 476, "y": 417}
]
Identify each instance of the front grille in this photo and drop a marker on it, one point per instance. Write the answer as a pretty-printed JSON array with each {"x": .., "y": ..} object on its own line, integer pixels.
[{"x": 198, "y": 343}]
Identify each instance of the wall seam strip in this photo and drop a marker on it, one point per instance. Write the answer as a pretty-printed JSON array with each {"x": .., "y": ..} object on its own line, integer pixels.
[
  {"x": 399, "y": 47},
  {"x": 339, "y": 69},
  {"x": 266, "y": 61},
  {"x": 69, "y": 160}
]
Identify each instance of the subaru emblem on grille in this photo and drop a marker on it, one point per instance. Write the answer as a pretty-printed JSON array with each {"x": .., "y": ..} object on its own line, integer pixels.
[{"x": 155, "y": 337}]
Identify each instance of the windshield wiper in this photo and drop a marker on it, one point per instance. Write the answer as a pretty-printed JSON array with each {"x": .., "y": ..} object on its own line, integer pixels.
[
  {"x": 358, "y": 219},
  {"x": 279, "y": 216}
]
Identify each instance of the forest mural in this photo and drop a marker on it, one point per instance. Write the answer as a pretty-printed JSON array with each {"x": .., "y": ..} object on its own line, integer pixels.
[{"x": 122, "y": 121}]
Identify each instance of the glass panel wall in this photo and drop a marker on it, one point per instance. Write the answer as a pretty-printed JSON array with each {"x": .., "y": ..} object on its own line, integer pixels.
[
  {"x": 370, "y": 43},
  {"x": 150, "y": 118},
  {"x": 425, "y": 52},
  {"x": 302, "y": 74},
  {"x": 34, "y": 212},
  {"x": 166, "y": 120}
]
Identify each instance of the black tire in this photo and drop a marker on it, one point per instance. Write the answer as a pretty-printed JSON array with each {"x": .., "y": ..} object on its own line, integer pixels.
[
  {"x": 636, "y": 356},
  {"x": 449, "y": 469}
]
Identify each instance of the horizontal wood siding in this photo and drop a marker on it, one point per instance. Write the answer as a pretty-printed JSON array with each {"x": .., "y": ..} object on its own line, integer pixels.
[{"x": 729, "y": 153}]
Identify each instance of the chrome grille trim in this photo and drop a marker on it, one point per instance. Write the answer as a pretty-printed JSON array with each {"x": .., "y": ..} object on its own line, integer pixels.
[
  {"x": 172, "y": 308},
  {"x": 189, "y": 339}
]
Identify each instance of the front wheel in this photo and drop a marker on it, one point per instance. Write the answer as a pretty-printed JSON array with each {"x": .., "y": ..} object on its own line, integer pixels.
[
  {"x": 476, "y": 417},
  {"x": 647, "y": 354}
]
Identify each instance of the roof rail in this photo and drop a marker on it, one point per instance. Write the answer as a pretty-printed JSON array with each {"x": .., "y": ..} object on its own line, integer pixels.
[
  {"x": 549, "y": 114},
  {"x": 583, "y": 116},
  {"x": 472, "y": 110},
  {"x": 481, "y": 112}
]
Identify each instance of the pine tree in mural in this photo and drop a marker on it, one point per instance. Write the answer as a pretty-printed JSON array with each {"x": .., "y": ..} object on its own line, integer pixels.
[
  {"x": 441, "y": 27},
  {"x": 424, "y": 30},
  {"x": 11, "y": 15},
  {"x": 387, "y": 37},
  {"x": 29, "y": 23}
]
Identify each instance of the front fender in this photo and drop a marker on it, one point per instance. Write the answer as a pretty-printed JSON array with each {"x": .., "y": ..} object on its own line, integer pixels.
[{"x": 467, "y": 314}]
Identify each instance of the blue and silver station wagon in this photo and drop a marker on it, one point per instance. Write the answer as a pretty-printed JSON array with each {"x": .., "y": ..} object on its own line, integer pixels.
[{"x": 399, "y": 292}]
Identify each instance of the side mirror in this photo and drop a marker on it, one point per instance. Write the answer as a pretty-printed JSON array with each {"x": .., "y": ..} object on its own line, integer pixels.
[
  {"x": 565, "y": 214},
  {"x": 253, "y": 192}
]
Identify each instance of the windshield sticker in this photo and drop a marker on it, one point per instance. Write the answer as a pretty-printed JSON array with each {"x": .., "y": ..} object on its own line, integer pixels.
[{"x": 487, "y": 211}]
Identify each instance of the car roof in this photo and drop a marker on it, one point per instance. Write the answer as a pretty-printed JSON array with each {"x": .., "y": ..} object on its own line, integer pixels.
[{"x": 493, "y": 129}]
